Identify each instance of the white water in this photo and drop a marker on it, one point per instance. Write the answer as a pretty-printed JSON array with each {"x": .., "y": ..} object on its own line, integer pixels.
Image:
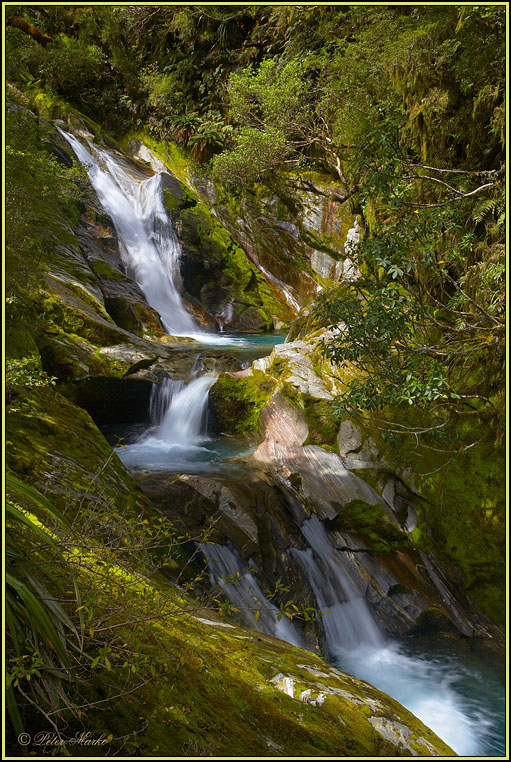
[
  {"x": 178, "y": 411},
  {"x": 427, "y": 687},
  {"x": 237, "y": 582},
  {"x": 181, "y": 409},
  {"x": 349, "y": 623},
  {"x": 149, "y": 247}
]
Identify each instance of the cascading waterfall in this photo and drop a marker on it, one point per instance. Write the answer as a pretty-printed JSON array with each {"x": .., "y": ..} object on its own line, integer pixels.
[
  {"x": 356, "y": 645},
  {"x": 349, "y": 622},
  {"x": 150, "y": 251},
  {"x": 178, "y": 412},
  {"x": 237, "y": 582},
  {"x": 149, "y": 247}
]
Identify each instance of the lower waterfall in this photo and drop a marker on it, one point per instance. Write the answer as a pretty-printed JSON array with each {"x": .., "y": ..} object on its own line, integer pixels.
[
  {"x": 228, "y": 572},
  {"x": 348, "y": 623},
  {"x": 426, "y": 686},
  {"x": 437, "y": 683}
]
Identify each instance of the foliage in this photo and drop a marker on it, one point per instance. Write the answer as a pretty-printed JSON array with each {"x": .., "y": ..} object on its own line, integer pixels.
[
  {"x": 39, "y": 185},
  {"x": 256, "y": 152},
  {"x": 25, "y": 372},
  {"x": 426, "y": 314}
]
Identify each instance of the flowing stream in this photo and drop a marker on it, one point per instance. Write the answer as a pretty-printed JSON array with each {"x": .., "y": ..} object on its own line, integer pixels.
[
  {"x": 238, "y": 583},
  {"x": 455, "y": 693}
]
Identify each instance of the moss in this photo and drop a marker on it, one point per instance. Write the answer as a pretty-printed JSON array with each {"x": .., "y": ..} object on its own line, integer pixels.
[
  {"x": 463, "y": 507},
  {"x": 434, "y": 620},
  {"x": 80, "y": 314},
  {"x": 323, "y": 427},
  {"x": 237, "y": 403},
  {"x": 19, "y": 342},
  {"x": 52, "y": 442},
  {"x": 105, "y": 271},
  {"x": 174, "y": 157},
  {"x": 215, "y": 267},
  {"x": 370, "y": 522},
  {"x": 327, "y": 244}
]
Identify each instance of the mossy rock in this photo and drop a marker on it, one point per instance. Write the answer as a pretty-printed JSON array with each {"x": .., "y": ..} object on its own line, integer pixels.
[
  {"x": 323, "y": 427},
  {"x": 462, "y": 507},
  {"x": 20, "y": 342},
  {"x": 236, "y": 403},
  {"x": 55, "y": 444},
  {"x": 370, "y": 522},
  {"x": 133, "y": 316},
  {"x": 434, "y": 620}
]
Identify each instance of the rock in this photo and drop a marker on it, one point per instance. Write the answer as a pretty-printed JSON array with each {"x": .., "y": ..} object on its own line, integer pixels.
[
  {"x": 349, "y": 438},
  {"x": 326, "y": 266},
  {"x": 285, "y": 431},
  {"x": 140, "y": 365}
]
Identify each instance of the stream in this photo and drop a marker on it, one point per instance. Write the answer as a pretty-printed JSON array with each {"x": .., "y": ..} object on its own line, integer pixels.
[{"x": 451, "y": 684}]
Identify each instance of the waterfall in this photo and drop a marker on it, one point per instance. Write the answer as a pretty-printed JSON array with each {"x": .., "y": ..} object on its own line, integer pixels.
[
  {"x": 427, "y": 687},
  {"x": 179, "y": 411},
  {"x": 349, "y": 623},
  {"x": 239, "y": 585},
  {"x": 176, "y": 440},
  {"x": 149, "y": 247}
]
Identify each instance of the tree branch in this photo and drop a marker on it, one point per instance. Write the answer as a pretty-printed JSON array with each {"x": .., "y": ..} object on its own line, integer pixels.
[{"x": 33, "y": 31}]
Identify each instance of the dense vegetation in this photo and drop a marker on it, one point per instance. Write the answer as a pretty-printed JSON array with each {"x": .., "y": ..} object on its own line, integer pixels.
[{"x": 402, "y": 106}]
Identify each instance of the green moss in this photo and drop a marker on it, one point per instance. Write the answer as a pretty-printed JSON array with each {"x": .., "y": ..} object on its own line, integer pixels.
[
  {"x": 463, "y": 507},
  {"x": 174, "y": 157},
  {"x": 104, "y": 270},
  {"x": 370, "y": 522},
  {"x": 19, "y": 342},
  {"x": 327, "y": 244},
  {"x": 237, "y": 402},
  {"x": 55, "y": 443},
  {"x": 323, "y": 427},
  {"x": 434, "y": 620},
  {"x": 467, "y": 514},
  {"x": 79, "y": 314}
]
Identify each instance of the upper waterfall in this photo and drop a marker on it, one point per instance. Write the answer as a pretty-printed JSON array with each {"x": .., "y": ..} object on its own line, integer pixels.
[{"x": 149, "y": 246}]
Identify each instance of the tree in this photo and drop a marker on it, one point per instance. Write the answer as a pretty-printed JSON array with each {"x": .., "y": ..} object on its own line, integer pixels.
[
  {"x": 424, "y": 324},
  {"x": 273, "y": 107}
]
